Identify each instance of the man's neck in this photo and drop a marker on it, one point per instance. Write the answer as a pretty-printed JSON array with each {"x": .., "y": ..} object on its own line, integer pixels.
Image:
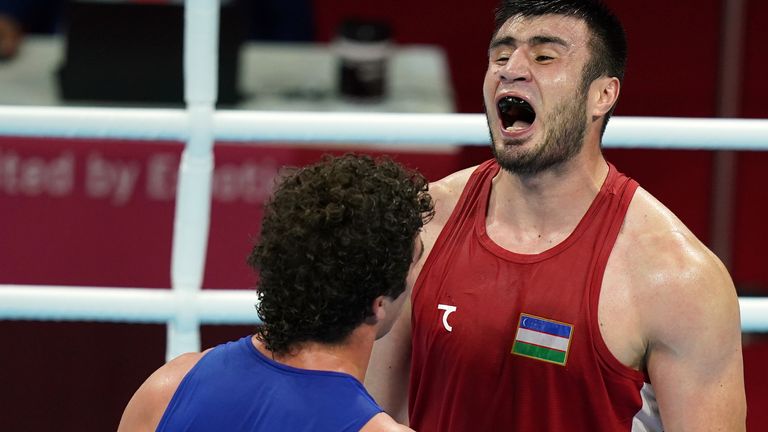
[
  {"x": 530, "y": 214},
  {"x": 351, "y": 356}
]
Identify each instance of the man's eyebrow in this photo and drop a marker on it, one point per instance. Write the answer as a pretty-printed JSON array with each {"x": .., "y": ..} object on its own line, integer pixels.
[
  {"x": 533, "y": 41},
  {"x": 507, "y": 40},
  {"x": 543, "y": 40}
]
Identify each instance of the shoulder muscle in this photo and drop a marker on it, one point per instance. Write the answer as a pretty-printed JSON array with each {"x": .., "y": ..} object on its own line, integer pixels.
[
  {"x": 689, "y": 316},
  {"x": 146, "y": 407}
]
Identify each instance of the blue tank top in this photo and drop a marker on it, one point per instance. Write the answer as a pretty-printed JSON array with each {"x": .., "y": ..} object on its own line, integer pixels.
[{"x": 234, "y": 387}]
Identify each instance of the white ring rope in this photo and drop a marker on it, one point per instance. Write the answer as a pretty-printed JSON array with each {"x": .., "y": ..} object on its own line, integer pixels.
[
  {"x": 145, "y": 305},
  {"x": 185, "y": 306},
  {"x": 139, "y": 305},
  {"x": 391, "y": 128}
]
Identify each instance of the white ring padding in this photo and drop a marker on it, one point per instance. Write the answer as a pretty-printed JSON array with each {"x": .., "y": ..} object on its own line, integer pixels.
[
  {"x": 134, "y": 305},
  {"x": 193, "y": 196},
  {"x": 395, "y": 129},
  {"x": 687, "y": 133},
  {"x": 145, "y": 305},
  {"x": 101, "y": 123},
  {"x": 754, "y": 314},
  {"x": 324, "y": 127}
]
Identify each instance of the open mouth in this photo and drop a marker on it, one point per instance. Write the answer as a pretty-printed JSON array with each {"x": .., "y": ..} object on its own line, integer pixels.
[{"x": 516, "y": 114}]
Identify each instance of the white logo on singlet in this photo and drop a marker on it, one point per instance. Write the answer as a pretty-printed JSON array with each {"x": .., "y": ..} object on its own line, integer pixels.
[{"x": 448, "y": 310}]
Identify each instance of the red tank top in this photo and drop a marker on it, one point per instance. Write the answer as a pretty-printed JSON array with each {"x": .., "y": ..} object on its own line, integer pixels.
[{"x": 510, "y": 342}]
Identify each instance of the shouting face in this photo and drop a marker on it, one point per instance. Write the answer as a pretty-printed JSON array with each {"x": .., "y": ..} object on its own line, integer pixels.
[{"x": 535, "y": 98}]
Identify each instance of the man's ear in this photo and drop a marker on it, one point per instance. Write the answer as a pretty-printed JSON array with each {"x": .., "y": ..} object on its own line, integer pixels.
[
  {"x": 604, "y": 92},
  {"x": 378, "y": 310}
]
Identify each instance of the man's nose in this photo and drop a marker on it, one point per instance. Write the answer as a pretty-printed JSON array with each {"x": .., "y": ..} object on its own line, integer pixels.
[{"x": 517, "y": 68}]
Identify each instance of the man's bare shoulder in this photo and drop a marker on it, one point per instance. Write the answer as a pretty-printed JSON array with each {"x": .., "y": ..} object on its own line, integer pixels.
[
  {"x": 656, "y": 242},
  {"x": 382, "y": 422},
  {"x": 167, "y": 378},
  {"x": 656, "y": 235},
  {"x": 669, "y": 270},
  {"x": 446, "y": 192},
  {"x": 147, "y": 405}
]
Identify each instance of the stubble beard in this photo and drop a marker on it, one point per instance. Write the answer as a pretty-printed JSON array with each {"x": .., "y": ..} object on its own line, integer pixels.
[{"x": 563, "y": 139}]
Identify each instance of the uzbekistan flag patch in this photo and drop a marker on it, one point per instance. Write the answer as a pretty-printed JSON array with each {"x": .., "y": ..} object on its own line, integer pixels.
[{"x": 542, "y": 339}]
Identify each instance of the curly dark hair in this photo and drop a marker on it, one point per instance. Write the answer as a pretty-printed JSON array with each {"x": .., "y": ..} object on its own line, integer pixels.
[{"x": 335, "y": 235}]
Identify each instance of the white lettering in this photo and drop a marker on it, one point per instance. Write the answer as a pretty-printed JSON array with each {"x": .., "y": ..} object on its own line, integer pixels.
[
  {"x": 448, "y": 310},
  {"x": 97, "y": 177},
  {"x": 9, "y": 168},
  {"x": 249, "y": 182},
  {"x": 113, "y": 180},
  {"x": 36, "y": 176},
  {"x": 125, "y": 183},
  {"x": 61, "y": 175},
  {"x": 31, "y": 178},
  {"x": 161, "y": 176}
]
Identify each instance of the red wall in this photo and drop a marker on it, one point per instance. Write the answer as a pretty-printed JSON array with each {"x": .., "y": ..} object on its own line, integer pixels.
[{"x": 751, "y": 206}]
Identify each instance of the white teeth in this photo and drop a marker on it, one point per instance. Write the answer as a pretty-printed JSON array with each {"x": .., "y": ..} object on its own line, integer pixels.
[{"x": 517, "y": 126}]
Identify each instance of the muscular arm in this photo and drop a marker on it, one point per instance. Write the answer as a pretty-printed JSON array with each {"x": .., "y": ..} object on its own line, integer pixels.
[
  {"x": 669, "y": 306},
  {"x": 146, "y": 407},
  {"x": 694, "y": 354}
]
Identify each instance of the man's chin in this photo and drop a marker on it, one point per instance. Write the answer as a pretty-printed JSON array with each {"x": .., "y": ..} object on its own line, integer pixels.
[
  {"x": 510, "y": 156},
  {"x": 519, "y": 158},
  {"x": 512, "y": 149},
  {"x": 514, "y": 142}
]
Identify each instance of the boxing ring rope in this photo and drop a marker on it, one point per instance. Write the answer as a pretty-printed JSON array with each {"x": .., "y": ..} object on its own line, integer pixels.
[
  {"x": 185, "y": 306},
  {"x": 394, "y": 129}
]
